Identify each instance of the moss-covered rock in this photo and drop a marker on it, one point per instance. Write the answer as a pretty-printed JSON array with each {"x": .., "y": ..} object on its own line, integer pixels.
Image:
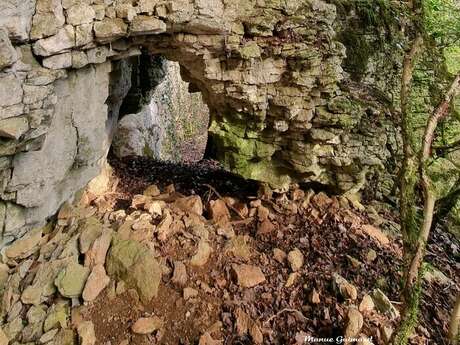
[{"x": 132, "y": 262}]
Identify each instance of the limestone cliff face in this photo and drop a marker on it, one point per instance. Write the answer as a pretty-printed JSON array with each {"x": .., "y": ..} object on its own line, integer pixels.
[{"x": 271, "y": 72}]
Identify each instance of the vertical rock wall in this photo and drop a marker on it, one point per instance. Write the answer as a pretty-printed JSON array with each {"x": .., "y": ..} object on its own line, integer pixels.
[{"x": 271, "y": 72}]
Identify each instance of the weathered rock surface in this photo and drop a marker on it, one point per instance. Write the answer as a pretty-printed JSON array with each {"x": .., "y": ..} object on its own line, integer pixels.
[
  {"x": 131, "y": 262},
  {"x": 271, "y": 75},
  {"x": 71, "y": 281},
  {"x": 147, "y": 325},
  {"x": 248, "y": 276}
]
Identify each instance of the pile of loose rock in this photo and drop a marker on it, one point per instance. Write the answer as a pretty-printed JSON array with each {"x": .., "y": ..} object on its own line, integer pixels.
[{"x": 204, "y": 258}]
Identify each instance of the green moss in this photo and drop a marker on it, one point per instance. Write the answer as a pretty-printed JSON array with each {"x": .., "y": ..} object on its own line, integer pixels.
[
  {"x": 410, "y": 318},
  {"x": 359, "y": 52}
]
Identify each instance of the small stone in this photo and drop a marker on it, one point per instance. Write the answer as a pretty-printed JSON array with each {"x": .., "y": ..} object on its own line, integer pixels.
[
  {"x": 383, "y": 304},
  {"x": 164, "y": 229},
  {"x": 295, "y": 259},
  {"x": 3, "y": 338},
  {"x": 376, "y": 234},
  {"x": 71, "y": 280},
  {"x": 355, "y": 322},
  {"x": 90, "y": 230},
  {"x": 265, "y": 227},
  {"x": 239, "y": 247},
  {"x": 367, "y": 304},
  {"x": 191, "y": 204},
  {"x": 110, "y": 29},
  {"x": 262, "y": 213},
  {"x": 219, "y": 211},
  {"x": 132, "y": 262},
  {"x": 48, "y": 336},
  {"x": 62, "y": 41},
  {"x": 98, "y": 252},
  {"x": 180, "y": 274},
  {"x": 279, "y": 255},
  {"x": 189, "y": 293},
  {"x": 24, "y": 246},
  {"x": 242, "y": 322},
  {"x": 14, "y": 127},
  {"x": 256, "y": 334},
  {"x": 206, "y": 339},
  {"x": 292, "y": 279},
  {"x": 58, "y": 61},
  {"x": 144, "y": 25},
  {"x": 346, "y": 289},
  {"x": 36, "y": 314},
  {"x": 371, "y": 255},
  {"x": 248, "y": 275},
  {"x": 57, "y": 317},
  {"x": 387, "y": 333},
  {"x": 13, "y": 328},
  {"x": 152, "y": 191},
  {"x": 315, "y": 297},
  {"x": 83, "y": 35},
  {"x": 97, "y": 281},
  {"x": 86, "y": 333},
  {"x": 65, "y": 337},
  {"x": 147, "y": 325},
  {"x": 80, "y": 14},
  {"x": 202, "y": 255},
  {"x": 8, "y": 54}
]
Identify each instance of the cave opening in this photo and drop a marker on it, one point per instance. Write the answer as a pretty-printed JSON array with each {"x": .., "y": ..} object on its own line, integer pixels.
[{"x": 161, "y": 115}]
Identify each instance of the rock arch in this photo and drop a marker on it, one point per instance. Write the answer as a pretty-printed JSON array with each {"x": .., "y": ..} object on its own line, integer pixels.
[{"x": 269, "y": 70}]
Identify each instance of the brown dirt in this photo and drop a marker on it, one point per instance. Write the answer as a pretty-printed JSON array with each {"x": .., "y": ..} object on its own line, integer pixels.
[{"x": 326, "y": 231}]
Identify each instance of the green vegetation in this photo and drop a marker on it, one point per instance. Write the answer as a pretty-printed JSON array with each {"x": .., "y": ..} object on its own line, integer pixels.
[{"x": 429, "y": 88}]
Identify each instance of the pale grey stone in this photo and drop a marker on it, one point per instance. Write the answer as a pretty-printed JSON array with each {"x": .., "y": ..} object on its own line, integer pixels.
[
  {"x": 34, "y": 94},
  {"x": 16, "y": 17},
  {"x": 63, "y": 40},
  {"x": 8, "y": 54},
  {"x": 79, "y": 59},
  {"x": 48, "y": 19},
  {"x": 58, "y": 61},
  {"x": 83, "y": 34},
  {"x": 142, "y": 25},
  {"x": 11, "y": 91},
  {"x": 11, "y": 111},
  {"x": 98, "y": 55},
  {"x": 13, "y": 128},
  {"x": 15, "y": 218},
  {"x": 80, "y": 13},
  {"x": 110, "y": 29}
]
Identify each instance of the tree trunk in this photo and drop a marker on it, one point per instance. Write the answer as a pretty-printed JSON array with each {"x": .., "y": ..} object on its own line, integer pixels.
[{"x": 454, "y": 328}]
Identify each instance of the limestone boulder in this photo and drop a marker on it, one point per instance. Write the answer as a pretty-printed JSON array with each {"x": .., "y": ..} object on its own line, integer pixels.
[
  {"x": 132, "y": 262},
  {"x": 138, "y": 134}
]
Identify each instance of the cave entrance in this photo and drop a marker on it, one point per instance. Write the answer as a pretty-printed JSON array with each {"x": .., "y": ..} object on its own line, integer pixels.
[{"x": 161, "y": 115}]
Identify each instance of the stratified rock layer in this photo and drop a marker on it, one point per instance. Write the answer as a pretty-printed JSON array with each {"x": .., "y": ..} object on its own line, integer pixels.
[{"x": 270, "y": 72}]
